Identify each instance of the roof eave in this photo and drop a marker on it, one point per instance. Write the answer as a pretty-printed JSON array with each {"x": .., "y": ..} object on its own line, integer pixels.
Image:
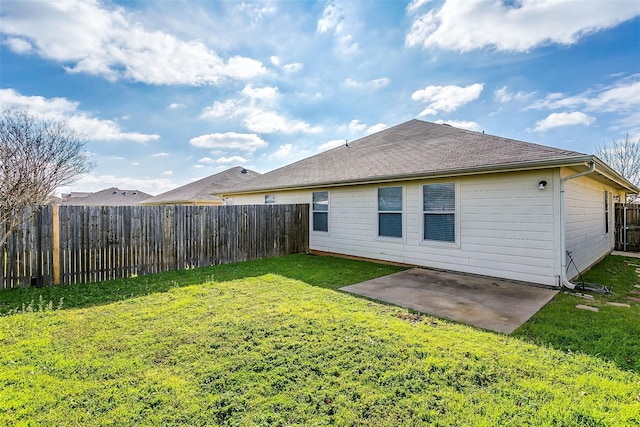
[{"x": 510, "y": 167}]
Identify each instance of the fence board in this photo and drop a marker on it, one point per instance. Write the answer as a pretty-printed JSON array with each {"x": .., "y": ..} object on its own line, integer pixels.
[
  {"x": 95, "y": 243},
  {"x": 627, "y": 218}
]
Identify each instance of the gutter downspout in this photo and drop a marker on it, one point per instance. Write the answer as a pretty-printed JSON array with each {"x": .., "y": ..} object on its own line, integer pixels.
[{"x": 564, "y": 282}]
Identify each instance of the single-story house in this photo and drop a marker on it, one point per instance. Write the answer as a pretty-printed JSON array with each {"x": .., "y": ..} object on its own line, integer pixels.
[
  {"x": 436, "y": 196},
  {"x": 108, "y": 197},
  {"x": 203, "y": 191}
]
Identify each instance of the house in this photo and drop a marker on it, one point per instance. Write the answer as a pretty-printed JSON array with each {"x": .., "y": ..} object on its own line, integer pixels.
[
  {"x": 202, "y": 192},
  {"x": 108, "y": 197},
  {"x": 436, "y": 196}
]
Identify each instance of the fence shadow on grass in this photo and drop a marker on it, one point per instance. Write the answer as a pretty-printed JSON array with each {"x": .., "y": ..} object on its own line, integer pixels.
[{"x": 322, "y": 271}]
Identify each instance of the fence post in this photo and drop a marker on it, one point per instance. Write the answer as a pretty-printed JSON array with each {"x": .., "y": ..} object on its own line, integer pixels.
[
  {"x": 55, "y": 242},
  {"x": 624, "y": 226}
]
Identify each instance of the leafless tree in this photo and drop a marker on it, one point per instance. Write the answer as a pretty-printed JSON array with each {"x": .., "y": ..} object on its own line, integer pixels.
[
  {"x": 623, "y": 156},
  {"x": 36, "y": 157}
]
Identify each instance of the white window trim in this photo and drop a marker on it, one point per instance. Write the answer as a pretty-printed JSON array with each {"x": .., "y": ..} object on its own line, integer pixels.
[
  {"x": 328, "y": 211},
  {"x": 457, "y": 213},
  {"x": 402, "y": 239}
]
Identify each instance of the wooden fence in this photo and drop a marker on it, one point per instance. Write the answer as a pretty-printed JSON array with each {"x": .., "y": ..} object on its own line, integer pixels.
[
  {"x": 627, "y": 217},
  {"x": 80, "y": 244}
]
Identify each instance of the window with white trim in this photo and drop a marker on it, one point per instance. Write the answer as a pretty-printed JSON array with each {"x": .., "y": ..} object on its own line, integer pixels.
[
  {"x": 439, "y": 210},
  {"x": 390, "y": 212},
  {"x": 320, "y": 210},
  {"x": 269, "y": 199}
]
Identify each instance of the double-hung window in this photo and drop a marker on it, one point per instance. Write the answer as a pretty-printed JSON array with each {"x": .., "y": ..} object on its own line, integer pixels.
[
  {"x": 439, "y": 210},
  {"x": 390, "y": 212},
  {"x": 320, "y": 210}
]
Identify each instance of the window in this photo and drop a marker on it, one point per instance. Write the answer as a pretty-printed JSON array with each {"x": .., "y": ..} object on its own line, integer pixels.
[
  {"x": 269, "y": 199},
  {"x": 320, "y": 210},
  {"x": 606, "y": 212},
  {"x": 439, "y": 206},
  {"x": 390, "y": 212}
]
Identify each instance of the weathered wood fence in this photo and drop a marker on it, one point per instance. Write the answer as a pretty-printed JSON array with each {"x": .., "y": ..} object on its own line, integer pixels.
[
  {"x": 79, "y": 244},
  {"x": 627, "y": 217}
]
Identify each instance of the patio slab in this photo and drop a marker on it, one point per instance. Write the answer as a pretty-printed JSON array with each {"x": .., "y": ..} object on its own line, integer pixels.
[{"x": 489, "y": 303}]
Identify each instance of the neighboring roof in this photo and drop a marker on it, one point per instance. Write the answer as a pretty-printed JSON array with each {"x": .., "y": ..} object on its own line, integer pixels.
[
  {"x": 108, "y": 197},
  {"x": 416, "y": 149},
  {"x": 202, "y": 191}
]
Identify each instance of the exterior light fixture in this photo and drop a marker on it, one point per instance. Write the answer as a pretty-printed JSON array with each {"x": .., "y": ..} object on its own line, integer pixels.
[{"x": 542, "y": 185}]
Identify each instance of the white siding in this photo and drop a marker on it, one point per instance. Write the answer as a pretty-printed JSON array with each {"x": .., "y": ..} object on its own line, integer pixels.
[
  {"x": 282, "y": 198},
  {"x": 506, "y": 227},
  {"x": 587, "y": 238}
]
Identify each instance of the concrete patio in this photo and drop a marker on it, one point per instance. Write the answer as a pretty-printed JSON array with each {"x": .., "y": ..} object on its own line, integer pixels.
[{"x": 485, "y": 302}]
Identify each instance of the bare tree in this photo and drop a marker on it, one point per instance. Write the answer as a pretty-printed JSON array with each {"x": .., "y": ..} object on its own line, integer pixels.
[
  {"x": 623, "y": 156},
  {"x": 36, "y": 157}
]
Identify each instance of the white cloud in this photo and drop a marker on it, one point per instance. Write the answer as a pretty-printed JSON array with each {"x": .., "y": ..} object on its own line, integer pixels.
[
  {"x": 288, "y": 153},
  {"x": 331, "y": 144},
  {"x": 294, "y": 67},
  {"x": 521, "y": 25},
  {"x": 503, "y": 95},
  {"x": 415, "y": 5},
  {"x": 271, "y": 122},
  {"x": 375, "y": 128},
  {"x": 256, "y": 108},
  {"x": 167, "y": 173},
  {"x": 63, "y": 109},
  {"x": 160, "y": 154},
  {"x": 353, "y": 126},
  {"x": 229, "y": 140},
  {"x": 275, "y": 60},
  {"x": 620, "y": 97},
  {"x": 331, "y": 20},
  {"x": 176, "y": 105},
  {"x": 564, "y": 119},
  {"x": 19, "y": 46},
  {"x": 100, "y": 182},
  {"x": 371, "y": 84},
  {"x": 207, "y": 160},
  {"x": 461, "y": 124},
  {"x": 228, "y": 108},
  {"x": 110, "y": 42},
  {"x": 284, "y": 151},
  {"x": 231, "y": 159},
  {"x": 266, "y": 94},
  {"x": 446, "y": 98}
]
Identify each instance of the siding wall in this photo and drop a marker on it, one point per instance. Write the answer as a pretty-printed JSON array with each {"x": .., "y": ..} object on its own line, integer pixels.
[
  {"x": 586, "y": 236},
  {"x": 505, "y": 226}
]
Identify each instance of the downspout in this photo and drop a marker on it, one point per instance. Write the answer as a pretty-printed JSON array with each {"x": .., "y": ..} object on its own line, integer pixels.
[{"x": 564, "y": 282}]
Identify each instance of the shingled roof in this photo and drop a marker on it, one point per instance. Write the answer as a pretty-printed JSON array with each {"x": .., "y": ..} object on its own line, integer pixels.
[
  {"x": 411, "y": 150},
  {"x": 108, "y": 197},
  {"x": 202, "y": 191}
]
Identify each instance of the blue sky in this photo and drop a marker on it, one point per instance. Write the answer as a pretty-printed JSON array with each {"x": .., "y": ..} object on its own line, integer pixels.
[{"x": 172, "y": 91}]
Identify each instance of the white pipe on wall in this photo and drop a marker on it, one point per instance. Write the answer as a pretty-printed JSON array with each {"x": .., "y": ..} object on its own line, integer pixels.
[{"x": 563, "y": 225}]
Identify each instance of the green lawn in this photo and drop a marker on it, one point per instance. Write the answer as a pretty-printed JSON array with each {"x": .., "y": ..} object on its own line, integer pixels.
[
  {"x": 613, "y": 333},
  {"x": 241, "y": 345}
]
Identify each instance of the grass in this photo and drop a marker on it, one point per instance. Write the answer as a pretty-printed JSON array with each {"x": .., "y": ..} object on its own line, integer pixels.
[
  {"x": 239, "y": 345},
  {"x": 613, "y": 333}
]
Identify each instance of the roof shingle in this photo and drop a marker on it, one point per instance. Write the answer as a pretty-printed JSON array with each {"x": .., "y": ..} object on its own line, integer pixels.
[
  {"x": 203, "y": 190},
  {"x": 409, "y": 149}
]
